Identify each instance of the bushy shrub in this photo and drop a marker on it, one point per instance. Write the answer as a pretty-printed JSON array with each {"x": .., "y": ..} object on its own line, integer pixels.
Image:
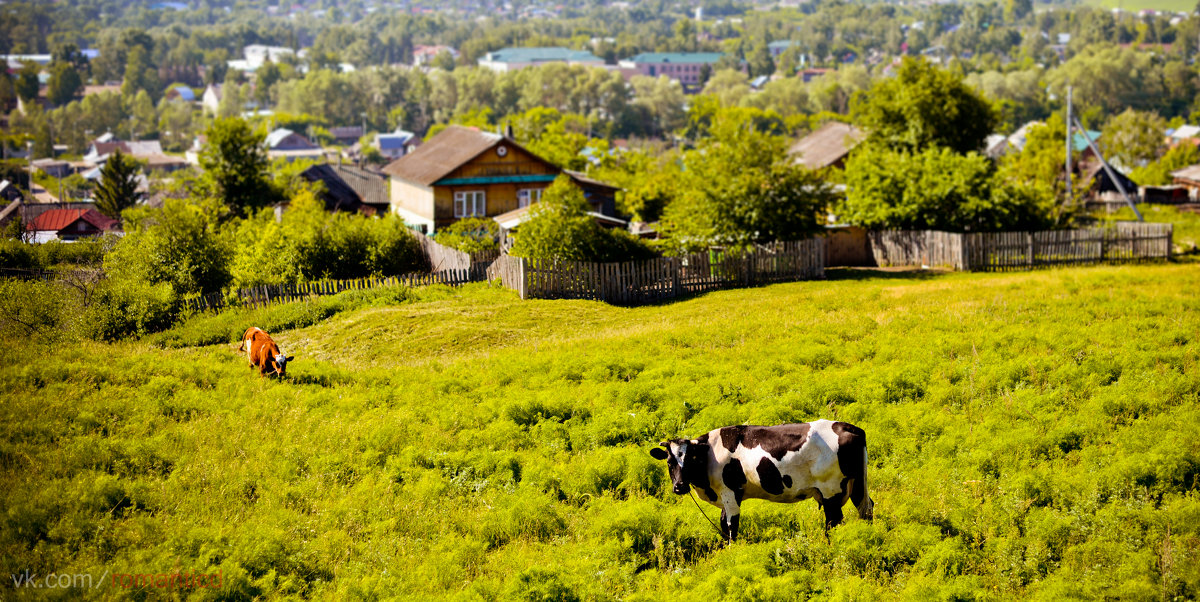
[
  {"x": 471, "y": 235},
  {"x": 560, "y": 228},
  {"x": 310, "y": 244},
  {"x": 15, "y": 254}
]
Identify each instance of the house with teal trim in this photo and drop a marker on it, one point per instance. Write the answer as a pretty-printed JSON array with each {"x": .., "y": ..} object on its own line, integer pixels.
[{"x": 464, "y": 172}]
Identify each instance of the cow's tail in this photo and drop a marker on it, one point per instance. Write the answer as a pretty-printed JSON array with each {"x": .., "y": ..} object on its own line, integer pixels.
[{"x": 865, "y": 505}]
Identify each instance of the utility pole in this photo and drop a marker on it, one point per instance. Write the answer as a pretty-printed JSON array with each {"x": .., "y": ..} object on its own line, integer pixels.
[{"x": 1070, "y": 196}]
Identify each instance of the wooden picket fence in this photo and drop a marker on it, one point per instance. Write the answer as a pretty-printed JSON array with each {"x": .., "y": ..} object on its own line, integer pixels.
[
  {"x": 1004, "y": 251},
  {"x": 442, "y": 258},
  {"x": 269, "y": 294},
  {"x": 661, "y": 278}
]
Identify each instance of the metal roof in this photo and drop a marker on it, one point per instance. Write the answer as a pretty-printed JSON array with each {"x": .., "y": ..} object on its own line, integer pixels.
[
  {"x": 540, "y": 55},
  {"x": 677, "y": 57}
]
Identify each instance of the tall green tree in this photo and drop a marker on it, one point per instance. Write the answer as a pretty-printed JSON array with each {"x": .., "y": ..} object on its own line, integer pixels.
[
  {"x": 27, "y": 81},
  {"x": 739, "y": 188},
  {"x": 117, "y": 189},
  {"x": 64, "y": 83},
  {"x": 924, "y": 106},
  {"x": 1134, "y": 137},
  {"x": 235, "y": 166}
]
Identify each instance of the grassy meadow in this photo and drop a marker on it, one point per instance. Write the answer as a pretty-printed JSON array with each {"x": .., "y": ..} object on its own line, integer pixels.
[{"x": 1031, "y": 436}]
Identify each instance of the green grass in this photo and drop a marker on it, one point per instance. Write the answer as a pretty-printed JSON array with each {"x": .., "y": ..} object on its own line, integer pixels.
[{"x": 1032, "y": 435}]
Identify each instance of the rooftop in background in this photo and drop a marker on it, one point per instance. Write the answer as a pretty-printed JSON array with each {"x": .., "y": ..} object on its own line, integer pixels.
[
  {"x": 540, "y": 55},
  {"x": 676, "y": 57},
  {"x": 827, "y": 146}
]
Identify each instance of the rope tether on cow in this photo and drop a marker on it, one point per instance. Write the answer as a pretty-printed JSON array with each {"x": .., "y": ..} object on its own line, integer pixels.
[{"x": 705, "y": 514}]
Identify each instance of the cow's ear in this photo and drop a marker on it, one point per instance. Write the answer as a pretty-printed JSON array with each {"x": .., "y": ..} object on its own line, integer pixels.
[
  {"x": 659, "y": 453},
  {"x": 290, "y": 358}
]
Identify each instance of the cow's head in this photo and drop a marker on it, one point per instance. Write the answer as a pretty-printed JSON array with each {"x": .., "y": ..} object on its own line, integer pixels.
[
  {"x": 279, "y": 363},
  {"x": 687, "y": 459}
]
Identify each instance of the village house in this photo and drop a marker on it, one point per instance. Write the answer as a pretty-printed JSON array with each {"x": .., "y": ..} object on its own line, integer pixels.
[
  {"x": 69, "y": 225},
  {"x": 463, "y": 172}
]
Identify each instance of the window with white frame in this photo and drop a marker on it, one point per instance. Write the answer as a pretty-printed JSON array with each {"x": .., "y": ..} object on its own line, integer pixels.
[
  {"x": 469, "y": 203},
  {"x": 528, "y": 196}
]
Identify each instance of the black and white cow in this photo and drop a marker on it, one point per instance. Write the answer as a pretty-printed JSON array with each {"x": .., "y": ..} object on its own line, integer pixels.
[{"x": 822, "y": 460}]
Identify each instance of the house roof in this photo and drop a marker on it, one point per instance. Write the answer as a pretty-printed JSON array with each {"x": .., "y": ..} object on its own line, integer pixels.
[
  {"x": 371, "y": 186},
  {"x": 443, "y": 154},
  {"x": 346, "y": 131},
  {"x": 580, "y": 178},
  {"x": 55, "y": 220},
  {"x": 277, "y": 136},
  {"x": 1185, "y": 131},
  {"x": 1079, "y": 143},
  {"x": 1191, "y": 172},
  {"x": 539, "y": 55},
  {"x": 826, "y": 145},
  {"x": 338, "y": 196},
  {"x": 782, "y": 44},
  {"x": 677, "y": 57},
  {"x": 393, "y": 141},
  {"x": 184, "y": 92}
]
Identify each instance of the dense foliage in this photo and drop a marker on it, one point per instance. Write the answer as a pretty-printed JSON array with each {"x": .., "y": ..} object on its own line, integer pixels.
[
  {"x": 1039, "y": 442},
  {"x": 235, "y": 166},
  {"x": 307, "y": 243},
  {"x": 559, "y": 227}
]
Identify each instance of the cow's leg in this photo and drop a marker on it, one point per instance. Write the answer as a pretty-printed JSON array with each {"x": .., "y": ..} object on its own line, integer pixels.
[
  {"x": 730, "y": 516},
  {"x": 833, "y": 511}
]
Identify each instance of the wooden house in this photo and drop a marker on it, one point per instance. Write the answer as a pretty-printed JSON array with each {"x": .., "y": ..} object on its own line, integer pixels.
[{"x": 463, "y": 172}]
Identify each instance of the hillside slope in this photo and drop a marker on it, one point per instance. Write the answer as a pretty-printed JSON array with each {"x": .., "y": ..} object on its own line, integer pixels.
[{"x": 1030, "y": 435}]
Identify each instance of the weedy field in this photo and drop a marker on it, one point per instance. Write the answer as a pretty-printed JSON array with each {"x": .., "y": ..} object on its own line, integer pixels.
[{"x": 1031, "y": 435}]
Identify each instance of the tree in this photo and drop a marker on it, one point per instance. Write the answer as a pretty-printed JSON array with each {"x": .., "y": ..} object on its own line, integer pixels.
[
  {"x": 1134, "y": 137},
  {"x": 739, "y": 188},
  {"x": 145, "y": 118},
  {"x": 117, "y": 189},
  {"x": 922, "y": 107},
  {"x": 64, "y": 83},
  {"x": 1158, "y": 173},
  {"x": 27, "y": 81},
  {"x": 935, "y": 189},
  {"x": 235, "y": 166},
  {"x": 560, "y": 228}
]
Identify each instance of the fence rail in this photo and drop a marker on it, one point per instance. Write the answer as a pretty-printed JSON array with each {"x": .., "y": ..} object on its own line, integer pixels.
[
  {"x": 260, "y": 296},
  {"x": 661, "y": 278},
  {"x": 1002, "y": 251}
]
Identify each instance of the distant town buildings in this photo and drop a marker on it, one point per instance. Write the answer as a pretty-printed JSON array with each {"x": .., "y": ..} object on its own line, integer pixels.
[
  {"x": 511, "y": 59},
  {"x": 683, "y": 67}
]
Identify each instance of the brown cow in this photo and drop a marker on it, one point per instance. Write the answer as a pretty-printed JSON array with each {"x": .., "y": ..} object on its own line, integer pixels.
[{"x": 263, "y": 353}]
